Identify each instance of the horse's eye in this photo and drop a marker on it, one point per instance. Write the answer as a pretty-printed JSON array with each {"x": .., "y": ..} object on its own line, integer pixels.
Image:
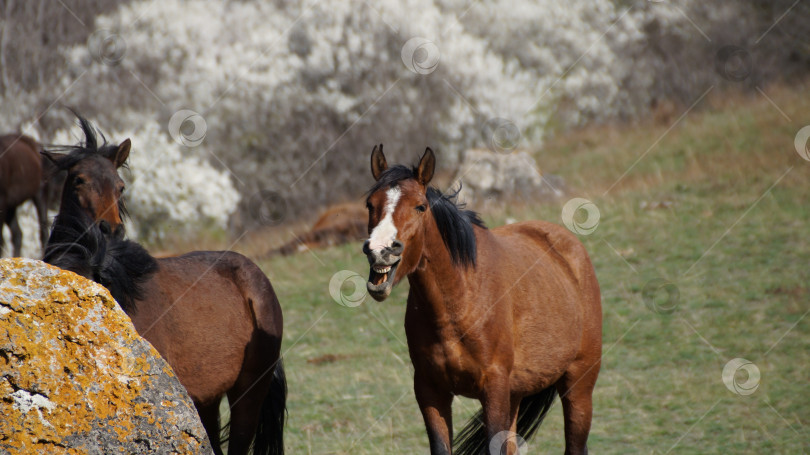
[
  {"x": 78, "y": 181},
  {"x": 122, "y": 189},
  {"x": 421, "y": 208}
]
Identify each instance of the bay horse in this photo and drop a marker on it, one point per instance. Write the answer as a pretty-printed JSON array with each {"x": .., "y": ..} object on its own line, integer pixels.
[
  {"x": 510, "y": 316},
  {"x": 213, "y": 315},
  {"x": 22, "y": 177},
  {"x": 339, "y": 224}
]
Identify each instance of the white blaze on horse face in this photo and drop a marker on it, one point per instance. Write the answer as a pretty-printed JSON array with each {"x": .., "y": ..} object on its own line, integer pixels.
[{"x": 385, "y": 232}]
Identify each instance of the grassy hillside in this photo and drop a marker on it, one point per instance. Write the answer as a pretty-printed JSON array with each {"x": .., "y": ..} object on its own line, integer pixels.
[{"x": 715, "y": 203}]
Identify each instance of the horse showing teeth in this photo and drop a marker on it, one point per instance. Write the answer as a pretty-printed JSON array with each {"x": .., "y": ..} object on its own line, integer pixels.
[{"x": 475, "y": 326}]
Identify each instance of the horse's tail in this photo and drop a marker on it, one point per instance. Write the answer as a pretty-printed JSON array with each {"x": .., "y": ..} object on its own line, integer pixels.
[
  {"x": 270, "y": 431},
  {"x": 473, "y": 438}
]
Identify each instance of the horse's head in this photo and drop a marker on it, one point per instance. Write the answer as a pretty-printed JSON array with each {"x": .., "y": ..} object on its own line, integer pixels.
[
  {"x": 398, "y": 207},
  {"x": 93, "y": 185}
]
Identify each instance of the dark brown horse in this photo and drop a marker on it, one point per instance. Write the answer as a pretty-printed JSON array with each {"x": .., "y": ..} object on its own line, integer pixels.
[
  {"x": 22, "y": 177},
  {"x": 509, "y": 316},
  {"x": 213, "y": 315}
]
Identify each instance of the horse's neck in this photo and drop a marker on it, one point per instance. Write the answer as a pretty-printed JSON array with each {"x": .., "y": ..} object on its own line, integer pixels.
[
  {"x": 439, "y": 283},
  {"x": 72, "y": 246},
  {"x": 70, "y": 223},
  {"x": 66, "y": 228}
]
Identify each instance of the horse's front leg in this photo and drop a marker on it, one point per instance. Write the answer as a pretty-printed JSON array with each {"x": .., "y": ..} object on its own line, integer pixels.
[
  {"x": 500, "y": 415},
  {"x": 436, "y": 407},
  {"x": 41, "y": 203}
]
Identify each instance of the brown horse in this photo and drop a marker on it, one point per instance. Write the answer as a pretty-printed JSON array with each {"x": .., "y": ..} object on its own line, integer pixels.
[
  {"x": 509, "y": 316},
  {"x": 339, "y": 224},
  {"x": 213, "y": 315},
  {"x": 21, "y": 178}
]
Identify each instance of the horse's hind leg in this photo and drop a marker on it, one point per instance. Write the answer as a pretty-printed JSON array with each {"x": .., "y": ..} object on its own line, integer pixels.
[
  {"x": 246, "y": 404},
  {"x": 209, "y": 415},
  {"x": 247, "y": 398},
  {"x": 576, "y": 393},
  {"x": 16, "y": 232}
]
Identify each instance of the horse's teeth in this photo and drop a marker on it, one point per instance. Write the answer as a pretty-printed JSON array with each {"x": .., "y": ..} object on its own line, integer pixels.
[{"x": 382, "y": 269}]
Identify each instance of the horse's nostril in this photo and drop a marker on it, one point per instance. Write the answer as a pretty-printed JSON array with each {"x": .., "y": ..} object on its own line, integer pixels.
[
  {"x": 396, "y": 248},
  {"x": 366, "y": 249},
  {"x": 105, "y": 228}
]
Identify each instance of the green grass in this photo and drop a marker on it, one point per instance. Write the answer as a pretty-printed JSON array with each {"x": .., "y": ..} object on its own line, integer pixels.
[{"x": 734, "y": 243}]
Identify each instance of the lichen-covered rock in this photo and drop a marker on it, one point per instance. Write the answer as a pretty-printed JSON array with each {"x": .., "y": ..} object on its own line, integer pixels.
[
  {"x": 75, "y": 377},
  {"x": 489, "y": 177}
]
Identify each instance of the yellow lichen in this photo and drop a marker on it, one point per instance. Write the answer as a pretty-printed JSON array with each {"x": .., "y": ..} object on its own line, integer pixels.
[{"x": 70, "y": 345}]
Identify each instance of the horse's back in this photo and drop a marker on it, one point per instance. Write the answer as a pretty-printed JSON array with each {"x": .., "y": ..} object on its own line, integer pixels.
[
  {"x": 235, "y": 272},
  {"x": 542, "y": 239},
  {"x": 565, "y": 245},
  {"x": 562, "y": 321},
  {"x": 207, "y": 312},
  {"x": 558, "y": 241}
]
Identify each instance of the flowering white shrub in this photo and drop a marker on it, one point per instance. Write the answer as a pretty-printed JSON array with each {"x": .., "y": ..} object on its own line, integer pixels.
[
  {"x": 295, "y": 94},
  {"x": 567, "y": 46},
  {"x": 168, "y": 187}
]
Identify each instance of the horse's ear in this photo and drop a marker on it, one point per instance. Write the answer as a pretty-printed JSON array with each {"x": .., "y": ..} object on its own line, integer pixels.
[
  {"x": 424, "y": 172},
  {"x": 378, "y": 163},
  {"x": 122, "y": 153}
]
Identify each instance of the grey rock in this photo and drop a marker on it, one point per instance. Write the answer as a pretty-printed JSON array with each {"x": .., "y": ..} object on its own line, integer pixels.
[{"x": 75, "y": 377}]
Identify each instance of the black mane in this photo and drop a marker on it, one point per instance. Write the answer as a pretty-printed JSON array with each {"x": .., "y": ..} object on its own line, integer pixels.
[
  {"x": 88, "y": 249},
  {"x": 79, "y": 244},
  {"x": 454, "y": 222}
]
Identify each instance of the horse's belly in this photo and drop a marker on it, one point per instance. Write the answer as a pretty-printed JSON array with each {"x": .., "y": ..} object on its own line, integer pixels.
[
  {"x": 528, "y": 380},
  {"x": 203, "y": 339},
  {"x": 447, "y": 365}
]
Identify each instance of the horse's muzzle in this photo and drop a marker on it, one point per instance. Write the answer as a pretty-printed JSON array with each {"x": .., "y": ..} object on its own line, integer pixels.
[
  {"x": 110, "y": 232},
  {"x": 383, "y": 267}
]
